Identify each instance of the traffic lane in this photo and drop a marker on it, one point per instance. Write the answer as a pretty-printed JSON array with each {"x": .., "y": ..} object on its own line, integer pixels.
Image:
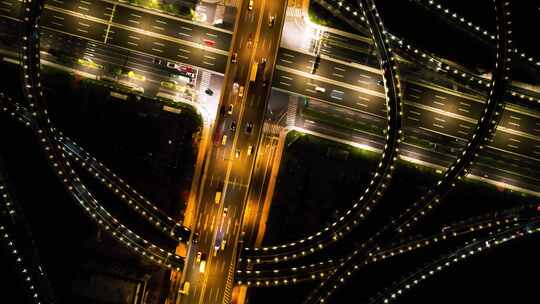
[
  {"x": 73, "y": 25},
  {"x": 330, "y": 69},
  {"x": 443, "y": 100},
  {"x": 517, "y": 144},
  {"x": 506, "y": 169},
  {"x": 348, "y": 54},
  {"x": 516, "y": 118},
  {"x": 10, "y": 8},
  {"x": 337, "y": 94},
  {"x": 336, "y": 39},
  {"x": 166, "y": 49},
  {"x": 93, "y": 8},
  {"x": 171, "y": 27}
]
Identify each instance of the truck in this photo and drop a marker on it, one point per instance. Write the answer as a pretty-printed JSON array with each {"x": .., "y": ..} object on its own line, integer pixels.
[{"x": 254, "y": 69}]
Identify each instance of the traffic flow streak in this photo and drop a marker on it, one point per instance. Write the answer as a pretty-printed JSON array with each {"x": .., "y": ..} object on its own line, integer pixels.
[
  {"x": 382, "y": 175},
  {"x": 484, "y": 131},
  {"x": 134, "y": 200},
  {"x": 470, "y": 249},
  {"x": 16, "y": 237},
  {"x": 58, "y": 162},
  {"x": 259, "y": 276},
  {"x": 229, "y": 165},
  {"x": 171, "y": 38}
]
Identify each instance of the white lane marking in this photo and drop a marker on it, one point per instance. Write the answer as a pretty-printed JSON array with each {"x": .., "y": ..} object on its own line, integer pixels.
[
  {"x": 513, "y": 146},
  {"x": 414, "y": 96},
  {"x": 133, "y": 21},
  {"x": 284, "y": 83},
  {"x": 58, "y": 17},
  {"x": 365, "y": 76},
  {"x": 158, "y": 27},
  {"x": 186, "y": 28},
  {"x": 83, "y": 8},
  {"x": 440, "y": 97},
  {"x": 184, "y": 34},
  {"x": 440, "y": 119},
  {"x": 57, "y": 24},
  {"x": 161, "y": 21},
  {"x": 339, "y": 69},
  {"x": 84, "y": 24},
  {"x": 416, "y": 90},
  {"x": 284, "y": 60},
  {"x": 86, "y": 2},
  {"x": 311, "y": 91},
  {"x": 338, "y": 91},
  {"x": 135, "y": 15},
  {"x": 336, "y": 97},
  {"x": 182, "y": 56},
  {"x": 59, "y": 1},
  {"x": 412, "y": 118},
  {"x": 158, "y": 43},
  {"x": 363, "y": 98},
  {"x": 463, "y": 110},
  {"x": 362, "y": 104},
  {"x": 438, "y": 126},
  {"x": 513, "y": 124},
  {"x": 464, "y": 126},
  {"x": 414, "y": 112},
  {"x": 439, "y": 103},
  {"x": 286, "y": 77},
  {"x": 81, "y": 30},
  {"x": 515, "y": 117},
  {"x": 210, "y": 57},
  {"x": 132, "y": 43},
  {"x": 364, "y": 82},
  {"x": 338, "y": 75},
  {"x": 211, "y": 35},
  {"x": 464, "y": 104},
  {"x": 288, "y": 55},
  {"x": 157, "y": 50},
  {"x": 134, "y": 37},
  {"x": 209, "y": 63},
  {"x": 463, "y": 132},
  {"x": 514, "y": 140},
  {"x": 184, "y": 50}
]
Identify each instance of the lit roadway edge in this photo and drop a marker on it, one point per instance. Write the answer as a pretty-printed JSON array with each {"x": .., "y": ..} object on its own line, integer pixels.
[{"x": 222, "y": 170}]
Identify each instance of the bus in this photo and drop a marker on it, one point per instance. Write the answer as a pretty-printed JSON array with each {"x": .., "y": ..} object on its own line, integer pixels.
[{"x": 253, "y": 74}]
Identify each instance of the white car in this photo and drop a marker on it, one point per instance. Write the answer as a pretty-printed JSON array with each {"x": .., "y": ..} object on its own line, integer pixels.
[
  {"x": 250, "y": 5},
  {"x": 320, "y": 89},
  {"x": 249, "y": 150}
]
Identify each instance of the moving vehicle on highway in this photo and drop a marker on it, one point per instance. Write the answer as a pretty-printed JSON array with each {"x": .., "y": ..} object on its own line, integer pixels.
[
  {"x": 250, "y": 150},
  {"x": 224, "y": 140},
  {"x": 185, "y": 288},
  {"x": 202, "y": 266},
  {"x": 241, "y": 92},
  {"x": 90, "y": 64},
  {"x": 250, "y": 5},
  {"x": 234, "y": 56},
  {"x": 139, "y": 90},
  {"x": 320, "y": 89},
  {"x": 136, "y": 76},
  {"x": 271, "y": 20},
  {"x": 253, "y": 72},
  {"x": 233, "y": 125},
  {"x": 230, "y": 109},
  {"x": 198, "y": 257},
  {"x": 217, "y": 198},
  {"x": 209, "y": 42},
  {"x": 249, "y": 127},
  {"x": 237, "y": 153}
]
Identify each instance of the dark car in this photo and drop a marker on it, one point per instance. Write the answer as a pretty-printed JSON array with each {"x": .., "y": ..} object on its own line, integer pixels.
[
  {"x": 233, "y": 126},
  {"x": 222, "y": 110},
  {"x": 158, "y": 61},
  {"x": 249, "y": 127},
  {"x": 209, "y": 92},
  {"x": 195, "y": 238}
]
